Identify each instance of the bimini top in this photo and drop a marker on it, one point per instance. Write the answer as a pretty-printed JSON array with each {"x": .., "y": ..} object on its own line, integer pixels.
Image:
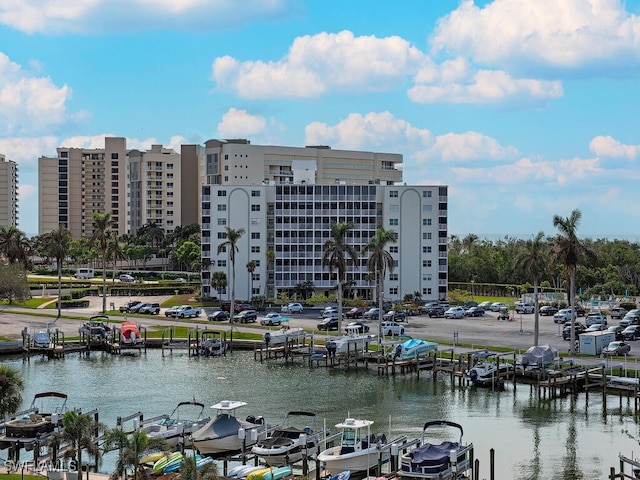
[
  {"x": 353, "y": 423},
  {"x": 228, "y": 405}
]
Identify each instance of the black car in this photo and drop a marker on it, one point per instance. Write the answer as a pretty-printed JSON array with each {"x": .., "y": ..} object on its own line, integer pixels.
[
  {"x": 355, "y": 313},
  {"x": 246, "y": 316},
  {"x": 616, "y": 330},
  {"x": 437, "y": 311},
  {"x": 632, "y": 332},
  {"x": 548, "y": 310},
  {"x": 218, "y": 315},
  {"x": 330, "y": 323},
  {"x": 395, "y": 315},
  {"x": 566, "y": 332},
  {"x": 357, "y": 326},
  {"x": 474, "y": 312}
]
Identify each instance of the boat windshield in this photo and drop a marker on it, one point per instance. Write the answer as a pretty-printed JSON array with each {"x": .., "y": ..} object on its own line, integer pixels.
[{"x": 349, "y": 437}]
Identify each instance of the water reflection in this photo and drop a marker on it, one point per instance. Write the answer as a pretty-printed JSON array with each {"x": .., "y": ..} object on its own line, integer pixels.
[{"x": 533, "y": 439}]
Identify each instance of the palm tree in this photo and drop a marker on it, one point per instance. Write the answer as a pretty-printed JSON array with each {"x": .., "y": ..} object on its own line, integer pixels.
[
  {"x": 130, "y": 449},
  {"x": 14, "y": 245},
  {"x": 115, "y": 253},
  {"x": 271, "y": 260},
  {"x": 218, "y": 281},
  {"x": 100, "y": 237},
  {"x": 233, "y": 236},
  {"x": 380, "y": 262},
  {"x": 80, "y": 432},
  {"x": 333, "y": 256},
  {"x": 251, "y": 267},
  {"x": 570, "y": 252},
  {"x": 11, "y": 386},
  {"x": 56, "y": 244},
  {"x": 533, "y": 260}
]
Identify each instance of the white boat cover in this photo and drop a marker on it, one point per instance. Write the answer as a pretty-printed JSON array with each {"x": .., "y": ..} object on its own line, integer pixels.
[{"x": 539, "y": 356}]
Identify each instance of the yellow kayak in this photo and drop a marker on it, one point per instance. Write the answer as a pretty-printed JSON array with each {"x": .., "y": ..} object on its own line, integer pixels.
[
  {"x": 257, "y": 475},
  {"x": 152, "y": 457}
]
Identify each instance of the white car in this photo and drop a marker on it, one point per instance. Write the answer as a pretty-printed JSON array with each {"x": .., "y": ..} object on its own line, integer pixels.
[
  {"x": 496, "y": 306},
  {"x": 454, "y": 312},
  {"x": 271, "y": 318},
  {"x": 563, "y": 315},
  {"x": 524, "y": 308},
  {"x": 126, "y": 278},
  {"x": 292, "y": 308},
  {"x": 594, "y": 318},
  {"x": 392, "y": 328}
]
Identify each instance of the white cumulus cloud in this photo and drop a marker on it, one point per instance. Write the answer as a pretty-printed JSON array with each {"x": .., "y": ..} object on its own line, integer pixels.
[
  {"x": 561, "y": 34},
  {"x": 91, "y": 16},
  {"x": 606, "y": 146},
  {"x": 25, "y": 150},
  {"x": 240, "y": 123},
  {"x": 323, "y": 62}
]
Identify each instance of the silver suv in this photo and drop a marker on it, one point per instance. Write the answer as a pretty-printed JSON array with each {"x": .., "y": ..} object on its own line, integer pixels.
[
  {"x": 392, "y": 328},
  {"x": 524, "y": 308},
  {"x": 594, "y": 318},
  {"x": 563, "y": 316}
]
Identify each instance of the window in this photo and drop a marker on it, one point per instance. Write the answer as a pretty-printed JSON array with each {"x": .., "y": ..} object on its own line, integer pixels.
[
  {"x": 255, "y": 235},
  {"x": 169, "y": 175},
  {"x": 426, "y": 263},
  {"x": 169, "y": 166},
  {"x": 394, "y": 208},
  {"x": 114, "y": 156},
  {"x": 393, "y": 277},
  {"x": 222, "y": 207},
  {"x": 393, "y": 221},
  {"x": 255, "y": 249},
  {"x": 426, "y": 249},
  {"x": 222, "y": 193},
  {"x": 256, "y": 277},
  {"x": 222, "y": 221},
  {"x": 426, "y": 222},
  {"x": 255, "y": 208},
  {"x": 222, "y": 263},
  {"x": 426, "y": 236},
  {"x": 226, "y": 167},
  {"x": 393, "y": 291},
  {"x": 170, "y": 185},
  {"x": 393, "y": 249},
  {"x": 426, "y": 194},
  {"x": 426, "y": 208},
  {"x": 255, "y": 193},
  {"x": 222, "y": 235},
  {"x": 426, "y": 291},
  {"x": 257, "y": 262},
  {"x": 393, "y": 193}
]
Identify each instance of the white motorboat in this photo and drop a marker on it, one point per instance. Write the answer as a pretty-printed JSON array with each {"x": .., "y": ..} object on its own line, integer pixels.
[
  {"x": 444, "y": 460},
  {"x": 358, "y": 450},
  {"x": 284, "y": 335},
  {"x": 288, "y": 443},
  {"x": 412, "y": 348},
  {"x": 351, "y": 341},
  {"x": 226, "y": 433},
  {"x": 177, "y": 427},
  {"x": 489, "y": 370}
]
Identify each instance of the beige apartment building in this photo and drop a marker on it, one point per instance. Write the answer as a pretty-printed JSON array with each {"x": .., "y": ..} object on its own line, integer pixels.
[{"x": 8, "y": 192}]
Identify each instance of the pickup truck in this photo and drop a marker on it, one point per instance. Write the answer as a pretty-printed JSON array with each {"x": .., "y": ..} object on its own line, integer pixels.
[{"x": 184, "y": 311}]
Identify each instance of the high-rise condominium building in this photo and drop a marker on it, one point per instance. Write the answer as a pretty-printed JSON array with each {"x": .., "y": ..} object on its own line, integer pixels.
[
  {"x": 287, "y": 218},
  {"x": 8, "y": 192}
]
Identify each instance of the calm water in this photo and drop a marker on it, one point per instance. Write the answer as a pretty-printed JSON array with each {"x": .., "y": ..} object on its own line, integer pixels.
[{"x": 569, "y": 438}]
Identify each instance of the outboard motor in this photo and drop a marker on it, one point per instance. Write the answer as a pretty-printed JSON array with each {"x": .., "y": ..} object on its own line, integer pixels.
[
  {"x": 397, "y": 350},
  {"x": 251, "y": 419},
  {"x": 259, "y": 420},
  {"x": 331, "y": 349}
]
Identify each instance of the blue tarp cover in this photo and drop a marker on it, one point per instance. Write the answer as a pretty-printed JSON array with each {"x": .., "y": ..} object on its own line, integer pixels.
[{"x": 430, "y": 454}]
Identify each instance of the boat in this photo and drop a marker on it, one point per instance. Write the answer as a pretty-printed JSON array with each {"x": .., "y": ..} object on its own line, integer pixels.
[
  {"x": 536, "y": 358},
  {"x": 344, "y": 475},
  {"x": 444, "y": 460},
  {"x": 177, "y": 427},
  {"x": 130, "y": 333},
  {"x": 41, "y": 339},
  {"x": 489, "y": 370},
  {"x": 358, "y": 449},
  {"x": 351, "y": 341},
  {"x": 412, "y": 348},
  {"x": 40, "y": 419},
  {"x": 288, "y": 443},
  {"x": 283, "y": 335},
  {"x": 226, "y": 433},
  {"x": 213, "y": 345},
  {"x": 96, "y": 329}
]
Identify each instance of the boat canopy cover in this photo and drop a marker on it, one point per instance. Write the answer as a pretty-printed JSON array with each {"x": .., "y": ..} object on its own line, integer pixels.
[
  {"x": 225, "y": 425},
  {"x": 539, "y": 356},
  {"x": 430, "y": 454}
]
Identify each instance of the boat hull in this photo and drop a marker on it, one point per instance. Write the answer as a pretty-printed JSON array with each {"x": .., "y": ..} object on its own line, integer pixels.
[
  {"x": 440, "y": 469},
  {"x": 360, "y": 461}
]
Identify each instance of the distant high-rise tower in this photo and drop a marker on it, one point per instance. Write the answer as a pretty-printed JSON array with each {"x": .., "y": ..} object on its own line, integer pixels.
[{"x": 8, "y": 192}]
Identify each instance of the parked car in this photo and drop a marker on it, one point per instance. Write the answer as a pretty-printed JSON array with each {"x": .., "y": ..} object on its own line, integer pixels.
[
  {"x": 580, "y": 312},
  {"x": 594, "y": 318},
  {"x": 149, "y": 308},
  {"x": 496, "y": 306},
  {"x": 437, "y": 312},
  {"x": 329, "y": 311},
  {"x": 454, "y": 312},
  {"x": 218, "y": 315},
  {"x": 371, "y": 314},
  {"x": 392, "y": 328},
  {"x": 357, "y": 326},
  {"x": 632, "y": 332},
  {"x": 566, "y": 332},
  {"x": 125, "y": 277},
  {"x": 486, "y": 305},
  {"x": 328, "y": 323},
  {"x": 183, "y": 311},
  {"x": 237, "y": 306},
  {"x": 426, "y": 308},
  {"x": 271, "y": 318},
  {"x": 524, "y": 308},
  {"x": 596, "y": 327},
  {"x": 136, "y": 307},
  {"x": 563, "y": 316},
  {"x": 292, "y": 308},
  {"x": 548, "y": 310},
  {"x": 394, "y": 315},
  {"x": 469, "y": 303},
  {"x": 617, "y": 348},
  {"x": 474, "y": 312},
  {"x": 616, "y": 330},
  {"x": 246, "y": 316},
  {"x": 129, "y": 305},
  {"x": 618, "y": 312},
  {"x": 630, "y": 319},
  {"x": 355, "y": 313}
]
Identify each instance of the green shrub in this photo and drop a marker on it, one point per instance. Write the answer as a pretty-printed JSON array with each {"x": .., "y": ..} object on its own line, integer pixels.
[{"x": 74, "y": 304}]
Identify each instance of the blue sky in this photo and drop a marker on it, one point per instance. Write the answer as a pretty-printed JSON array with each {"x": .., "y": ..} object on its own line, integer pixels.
[{"x": 526, "y": 109}]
